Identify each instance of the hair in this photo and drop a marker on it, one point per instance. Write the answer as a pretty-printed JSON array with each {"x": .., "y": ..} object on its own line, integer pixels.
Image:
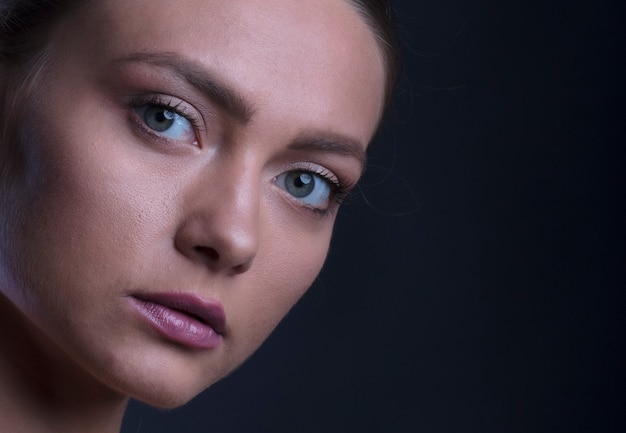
[{"x": 25, "y": 26}]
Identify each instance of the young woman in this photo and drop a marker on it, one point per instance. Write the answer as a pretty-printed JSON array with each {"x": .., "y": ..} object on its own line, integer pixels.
[{"x": 169, "y": 177}]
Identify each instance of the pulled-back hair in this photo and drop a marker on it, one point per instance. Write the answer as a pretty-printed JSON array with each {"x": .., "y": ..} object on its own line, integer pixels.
[{"x": 25, "y": 27}]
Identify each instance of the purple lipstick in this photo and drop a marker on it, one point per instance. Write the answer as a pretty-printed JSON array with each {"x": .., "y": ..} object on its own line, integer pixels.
[{"x": 183, "y": 318}]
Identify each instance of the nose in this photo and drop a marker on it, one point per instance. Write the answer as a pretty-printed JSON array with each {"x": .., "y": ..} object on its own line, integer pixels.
[{"x": 220, "y": 226}]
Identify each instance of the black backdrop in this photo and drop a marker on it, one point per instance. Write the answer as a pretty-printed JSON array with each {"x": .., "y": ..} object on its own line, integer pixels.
[{"x": 475, "y": 283}]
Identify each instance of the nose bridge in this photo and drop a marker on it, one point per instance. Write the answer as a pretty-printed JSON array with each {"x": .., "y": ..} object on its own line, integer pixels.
[
  {"x": 222, "y": 229},
  {"x": 237, "y": 205}
]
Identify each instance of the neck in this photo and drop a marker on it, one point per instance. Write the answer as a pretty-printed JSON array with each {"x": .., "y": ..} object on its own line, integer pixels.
[{"x": 43, "y": 390}]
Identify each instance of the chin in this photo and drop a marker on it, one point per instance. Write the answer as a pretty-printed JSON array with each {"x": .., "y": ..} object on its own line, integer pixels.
[
  {"x": 167, "y": 400},
  {"x": 162, "y": 394},
  {"x": 165, "y": 378}
]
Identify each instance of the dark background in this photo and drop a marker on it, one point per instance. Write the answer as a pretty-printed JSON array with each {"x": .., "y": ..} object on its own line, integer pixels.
[{"x": 476, "y": 281}]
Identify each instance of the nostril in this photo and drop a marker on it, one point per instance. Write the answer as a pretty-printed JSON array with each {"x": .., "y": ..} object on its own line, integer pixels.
[
  {"x": 240, "y": 269},
  {"x": 207, "y": 252}
]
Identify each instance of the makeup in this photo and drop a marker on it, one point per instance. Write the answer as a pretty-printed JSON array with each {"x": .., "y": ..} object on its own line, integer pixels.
[{"x": 182, "y": 318}]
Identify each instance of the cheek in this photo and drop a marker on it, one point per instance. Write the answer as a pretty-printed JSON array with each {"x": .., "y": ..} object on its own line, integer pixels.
[
  {"x": 85, "y": 212},
  {"x": 286, "y": 267}
]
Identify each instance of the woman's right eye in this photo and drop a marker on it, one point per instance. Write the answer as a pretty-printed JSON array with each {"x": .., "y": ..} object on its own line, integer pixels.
[{"x": 166, "y": 122}]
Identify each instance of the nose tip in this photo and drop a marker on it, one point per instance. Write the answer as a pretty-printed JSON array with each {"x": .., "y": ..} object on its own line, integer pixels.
[
  {"x": 235, "y": 253},
  {"x": 220, "y": 226},
  {"x": 218, "y": 245}
]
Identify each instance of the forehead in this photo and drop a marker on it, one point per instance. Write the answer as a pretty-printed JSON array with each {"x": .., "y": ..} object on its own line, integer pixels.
[{"x": 313, "y": 57}]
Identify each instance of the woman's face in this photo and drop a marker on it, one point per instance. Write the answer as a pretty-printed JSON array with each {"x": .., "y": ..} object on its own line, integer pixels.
[{"x": 185, "y": 160}]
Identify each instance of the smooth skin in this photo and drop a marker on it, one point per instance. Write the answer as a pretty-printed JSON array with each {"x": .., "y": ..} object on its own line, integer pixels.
[{"x": 116, "y": 201}]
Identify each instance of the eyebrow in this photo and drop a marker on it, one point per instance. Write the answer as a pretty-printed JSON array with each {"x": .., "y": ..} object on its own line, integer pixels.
[
  {"x": 334, "y": 143},
  {"x": 202, "y": 79},
  {"x": 242, "y": 110}
]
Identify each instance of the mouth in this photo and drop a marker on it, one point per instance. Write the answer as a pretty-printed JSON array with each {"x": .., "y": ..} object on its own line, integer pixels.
[{"x": 182, "y": 318}]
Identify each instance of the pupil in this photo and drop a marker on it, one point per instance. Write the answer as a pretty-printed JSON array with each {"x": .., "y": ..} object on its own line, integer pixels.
[
  {"x": 159, "y": 118},
  {"x": 300, "y": 184},
  {"x": 303, "y": 180},
  {"x": 164, "y": 115}
]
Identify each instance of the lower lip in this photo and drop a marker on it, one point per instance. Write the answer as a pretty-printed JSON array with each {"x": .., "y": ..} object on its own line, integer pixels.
[{"x": 177, "y": 326}]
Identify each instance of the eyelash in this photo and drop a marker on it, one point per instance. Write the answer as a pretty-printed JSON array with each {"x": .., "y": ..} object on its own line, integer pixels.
[
  {"x": 170, "y": 104},
  {"x": 339, "y": 189}
]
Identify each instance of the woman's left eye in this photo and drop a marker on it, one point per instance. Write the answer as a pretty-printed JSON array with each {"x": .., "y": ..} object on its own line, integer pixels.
[
  {"x": 167, "y": 122},
  {"x": 308, "y": 187}
]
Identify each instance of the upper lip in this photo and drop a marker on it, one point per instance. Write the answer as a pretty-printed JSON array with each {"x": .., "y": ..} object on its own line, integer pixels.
[{"x": 210, "y": 312}]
